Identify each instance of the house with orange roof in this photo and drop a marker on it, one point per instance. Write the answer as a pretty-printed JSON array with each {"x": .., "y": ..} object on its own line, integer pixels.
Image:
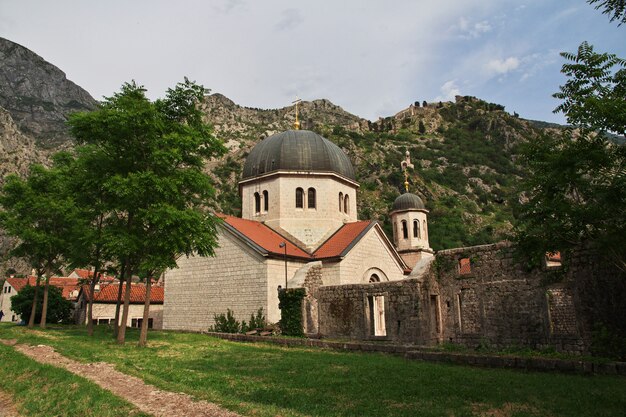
[
  {"x": 68, "y": 286},
  {"x": 105, "y": 299},
  {"x": 299, "y": 207}
]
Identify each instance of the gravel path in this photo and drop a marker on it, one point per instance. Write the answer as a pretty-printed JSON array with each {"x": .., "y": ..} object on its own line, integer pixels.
[{"x": 150, "y": 399}]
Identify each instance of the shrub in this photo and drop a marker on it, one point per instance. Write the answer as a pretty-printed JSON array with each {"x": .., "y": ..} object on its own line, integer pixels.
[
  {"x": 291, "y": 311},
  {"x": 225, "y": 323}
]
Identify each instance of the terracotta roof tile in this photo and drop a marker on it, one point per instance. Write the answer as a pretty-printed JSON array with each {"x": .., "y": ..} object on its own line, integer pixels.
[
  {"x": 264, "y": 237},
  {"x": 338, "y": 243},
  {"x": 67, "y": 285},
  {"x": 108, "y": 293}
]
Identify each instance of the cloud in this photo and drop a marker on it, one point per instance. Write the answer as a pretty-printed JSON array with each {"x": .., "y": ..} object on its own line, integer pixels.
[
  {"x": 469, "y": 30},
  {"x": 500, "y": 66},
  {"x": 289, "y": 19},
  {"x": 449, "y": 89}
]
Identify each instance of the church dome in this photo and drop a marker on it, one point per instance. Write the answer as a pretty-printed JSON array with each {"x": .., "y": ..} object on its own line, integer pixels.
[
  {"x": 297, "y": 150},
  {"x": 408, "y": 201}
]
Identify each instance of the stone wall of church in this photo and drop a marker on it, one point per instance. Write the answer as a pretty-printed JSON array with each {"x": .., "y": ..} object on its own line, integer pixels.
[
  {"x": 309, "y": 225},
  {"x": 201, "y": 287},
  {"x": 483, "y": 296},
  {"x": 369, "y": 256}
]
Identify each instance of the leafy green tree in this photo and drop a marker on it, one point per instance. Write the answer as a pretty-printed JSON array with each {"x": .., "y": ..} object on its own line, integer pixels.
[
  {"x": 616, "y": 9},
  {"x": 59, "y": 309},
  {"x": 577, "y": 184},
  {"x": 157, "y": 194},
  {"x": 39, "y": 212}
]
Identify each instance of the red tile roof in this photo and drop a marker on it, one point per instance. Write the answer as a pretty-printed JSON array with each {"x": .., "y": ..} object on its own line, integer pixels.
[
  {"x": 67, "y": 285},
  {"x": 83, "y": 273},
  {"x": 264, "y": 237},
  {"x": 108, "y": 293},
  {"x": 343, "y": 239}
]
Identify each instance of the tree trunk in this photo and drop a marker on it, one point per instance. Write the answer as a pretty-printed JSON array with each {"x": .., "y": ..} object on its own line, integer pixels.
[
  {"x": 121, "y": 332},
  {"x": 33, "y": 311},
  {"x": 92, "y": 292},
  {"x": 44, "y": 307},
  {"x": 116, "y": 325},
  {"x": 143, "y": 336}
]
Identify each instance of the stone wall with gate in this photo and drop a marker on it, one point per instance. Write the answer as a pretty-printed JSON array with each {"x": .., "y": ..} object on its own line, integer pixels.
[{"x": 480, "y": 295}]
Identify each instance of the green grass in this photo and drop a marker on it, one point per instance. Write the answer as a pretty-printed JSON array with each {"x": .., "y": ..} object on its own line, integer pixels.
[
  {"x": 44, "y": 390},
  {"x": 266, "y": 380}
]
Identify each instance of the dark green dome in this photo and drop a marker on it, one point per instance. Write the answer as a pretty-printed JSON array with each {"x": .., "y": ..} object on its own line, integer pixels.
[
  {"x": 297, "y": 150},
  {"x": 408, "y": 201}
]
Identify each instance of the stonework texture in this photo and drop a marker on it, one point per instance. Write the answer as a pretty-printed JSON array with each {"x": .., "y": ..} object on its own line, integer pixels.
[{"x": 498, "y": 303}]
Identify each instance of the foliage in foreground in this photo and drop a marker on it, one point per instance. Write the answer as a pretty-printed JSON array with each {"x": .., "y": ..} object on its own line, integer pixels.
[
  {"x": 268, "y": 380},
  {"x": 59, "y": 309},
  {"x": 227, "y": 323}
]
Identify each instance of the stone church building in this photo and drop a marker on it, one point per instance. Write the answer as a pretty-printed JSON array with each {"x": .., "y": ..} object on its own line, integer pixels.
[{"x": 299, "y": 210}]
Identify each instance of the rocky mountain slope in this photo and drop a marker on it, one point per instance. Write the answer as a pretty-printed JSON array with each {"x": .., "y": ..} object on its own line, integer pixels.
[
  {"x": 38, "y": 95},
  {"x": 463, "y": 153},
  {"x": 463, "y": 156}
]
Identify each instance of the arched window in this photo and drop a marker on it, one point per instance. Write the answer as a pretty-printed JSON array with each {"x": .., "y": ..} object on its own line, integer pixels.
[
  {"x": 340, "y": 201},
  {"x": 374, "y": 278},
  {"x": 346, "y": 204},
  {"x": 424, "y": 229},
  {"x": 299, "y": 198},
  {"x": 266, "y": 201},
  {"x": 311, "y": 198},
  {"x": 395, "y": 232},
  {"x": 416, "y": 228},
  {"x": 257, "y": 203},
  {"x": 405, "y": 230}
]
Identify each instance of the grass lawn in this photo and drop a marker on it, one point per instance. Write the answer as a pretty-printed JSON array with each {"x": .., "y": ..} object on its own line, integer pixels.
[
  {"x": 44, "y": 390},
  {"x": 267, "y": 380}
]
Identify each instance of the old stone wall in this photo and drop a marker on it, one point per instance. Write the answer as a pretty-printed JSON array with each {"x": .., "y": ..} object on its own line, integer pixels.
[
  {"x": 484, "y": 295},
  {"x": 347, "y": 311}
]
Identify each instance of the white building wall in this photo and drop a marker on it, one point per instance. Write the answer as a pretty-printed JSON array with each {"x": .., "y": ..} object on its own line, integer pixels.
[
  {"x": 107, "y": 311},
  {"x": 411, "y": 242},
  {"x": 310, "y": 226},
  {"x": 369, "y": 255},
  {"x": 201, "y": 287},
  {"x": 5, "y": 303},
  {"x": 276, "y": 277}
]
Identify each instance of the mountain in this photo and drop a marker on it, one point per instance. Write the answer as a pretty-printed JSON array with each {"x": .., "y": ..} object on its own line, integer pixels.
[
  {"x": 38, "y": 96},
  {"x": 463, "y": 153}
]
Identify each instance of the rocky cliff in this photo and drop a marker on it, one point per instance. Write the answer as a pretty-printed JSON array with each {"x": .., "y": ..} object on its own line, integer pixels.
[{"x": 38, "y": 95}]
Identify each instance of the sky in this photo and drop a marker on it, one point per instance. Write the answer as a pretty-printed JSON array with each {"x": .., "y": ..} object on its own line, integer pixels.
[{"x": 373, "y": 58}]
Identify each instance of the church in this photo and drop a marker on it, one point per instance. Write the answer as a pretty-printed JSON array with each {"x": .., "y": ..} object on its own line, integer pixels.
[{"x": 299, "y": 208}]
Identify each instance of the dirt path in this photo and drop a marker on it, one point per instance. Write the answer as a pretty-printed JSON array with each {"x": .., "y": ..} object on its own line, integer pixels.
[
  {"x": 7, "y": 408},
  {"x": 151, "y": 400}
]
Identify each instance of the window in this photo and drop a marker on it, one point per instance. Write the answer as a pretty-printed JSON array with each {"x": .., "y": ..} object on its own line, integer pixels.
[
  {"x": 266, "y": 201},
  {"x": 346, "y": 204},
  {"x": 465, "y": 266},
  {"x": 311, "y": 198},
  {"x": 299, "y": 198},
  {"x": 374, "y": 278},
  {"x": 395, "y": 232},
  {"x": 405, "y": 230},
  {"x": 424, "y": 229},
  {"x": 553, "y": 259},
  {"x": 257, "y": 203},
  {"x": 340, "y": 202},
  {"x": 416, "y": 228}
]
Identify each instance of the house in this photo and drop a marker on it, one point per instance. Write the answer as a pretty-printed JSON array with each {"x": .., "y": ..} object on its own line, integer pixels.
[
  {"x": 69, "y": 287},
  {"x": 299, "y": 209},
  {"x": 105, "y": 299}
]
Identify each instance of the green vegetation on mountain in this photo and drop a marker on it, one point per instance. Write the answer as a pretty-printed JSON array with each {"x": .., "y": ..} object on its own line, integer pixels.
[{"x": 463, "y": 155}]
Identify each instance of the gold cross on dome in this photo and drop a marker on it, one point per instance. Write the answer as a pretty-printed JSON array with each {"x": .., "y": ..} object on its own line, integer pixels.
[{"x": 296, "y": 125}]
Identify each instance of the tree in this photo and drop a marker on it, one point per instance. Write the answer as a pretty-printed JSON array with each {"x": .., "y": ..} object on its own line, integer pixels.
[
  {"x": 59, "y": 309},
  {"x": 157, "y": 194},
  {"x": 39, "y": 212},
  {"x": 576, "y": 186},
  {"x": 616, "y": 9}
]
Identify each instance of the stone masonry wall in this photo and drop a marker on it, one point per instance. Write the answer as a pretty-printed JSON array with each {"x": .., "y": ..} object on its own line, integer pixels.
[{"x": 495, "y": 301}]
